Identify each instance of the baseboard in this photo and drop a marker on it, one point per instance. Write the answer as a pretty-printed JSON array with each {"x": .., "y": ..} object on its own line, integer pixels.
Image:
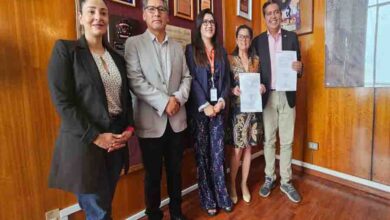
[{"x": 344, "y": 179}]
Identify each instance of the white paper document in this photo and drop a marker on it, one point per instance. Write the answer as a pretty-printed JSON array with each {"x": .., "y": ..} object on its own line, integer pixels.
[
  {"x": 250, "y": 92},
  {"x": 286, "y": 77}
]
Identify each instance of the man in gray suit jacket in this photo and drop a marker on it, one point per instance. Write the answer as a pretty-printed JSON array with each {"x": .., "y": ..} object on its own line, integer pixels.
[{"x": 159, "y": 78}]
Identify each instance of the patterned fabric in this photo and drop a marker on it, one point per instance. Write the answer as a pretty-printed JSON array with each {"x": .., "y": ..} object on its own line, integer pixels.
[
  {"x": 247, "y": 128},
  {"x": 209, "y": 151},
  {"x": 112, "y": 81}
]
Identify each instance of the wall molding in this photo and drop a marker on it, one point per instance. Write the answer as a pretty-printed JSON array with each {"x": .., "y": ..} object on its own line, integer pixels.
[{"x": 343, "y": 176}]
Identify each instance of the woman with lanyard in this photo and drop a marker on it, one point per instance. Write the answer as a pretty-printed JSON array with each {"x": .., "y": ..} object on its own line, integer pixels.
[
  {"x": 209, "y": 67},
  {"x": 89, "y": 88}
]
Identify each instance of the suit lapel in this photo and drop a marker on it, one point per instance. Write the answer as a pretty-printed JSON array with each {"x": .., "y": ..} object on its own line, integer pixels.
[
  {"x": 171, "y": 57},
  {"x": 284, "y": 40},
  {"x": 266, "y": 55},
  {"x": 151, "y": 50},
  {"x": 91, "y": 68}
]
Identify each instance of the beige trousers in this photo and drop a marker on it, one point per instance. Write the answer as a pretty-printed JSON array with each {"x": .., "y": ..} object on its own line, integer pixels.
[{"x": 277, "y": 114}]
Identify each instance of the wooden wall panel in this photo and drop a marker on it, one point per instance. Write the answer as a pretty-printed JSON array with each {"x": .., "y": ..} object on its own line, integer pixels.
[
  {"x": 339, "y": 119},
  {"x": 28, "y": 121},
  {"x": 381, "y": 154}
]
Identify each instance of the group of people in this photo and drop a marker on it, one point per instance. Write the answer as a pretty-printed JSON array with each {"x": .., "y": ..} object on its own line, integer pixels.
[{"x": 90, "y": 87}]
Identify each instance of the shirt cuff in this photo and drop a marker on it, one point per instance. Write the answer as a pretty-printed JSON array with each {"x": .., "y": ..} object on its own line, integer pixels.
[
  {"x": 179, "y": 97},
  {"x": 202, "y": 107},
  {"x": 222, "y": 101}
]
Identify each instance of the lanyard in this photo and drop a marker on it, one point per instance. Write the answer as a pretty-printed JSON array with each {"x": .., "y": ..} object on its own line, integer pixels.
[{"x": 210, "y": 57}]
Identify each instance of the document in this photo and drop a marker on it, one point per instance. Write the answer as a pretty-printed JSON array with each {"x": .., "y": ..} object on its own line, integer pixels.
[
  {"x": 250, "y": 92},
  {"x": 286, "y": 77}
]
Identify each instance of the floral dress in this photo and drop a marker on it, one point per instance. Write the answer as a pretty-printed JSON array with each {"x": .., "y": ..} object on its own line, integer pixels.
[{"x": 247, "y": 128}]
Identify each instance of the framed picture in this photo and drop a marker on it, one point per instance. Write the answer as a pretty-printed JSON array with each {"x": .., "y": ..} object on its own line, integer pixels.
[
  {"x": 184, "y": 9},
  {"x": 179, "y": 34},
  {"x": 297, "y": 15},
  {"x": 119, "y": 29},
  {"x": 126, "y": 2},
  {"x": 203, "y": 4},
  {"x": 244, "y": 9}
]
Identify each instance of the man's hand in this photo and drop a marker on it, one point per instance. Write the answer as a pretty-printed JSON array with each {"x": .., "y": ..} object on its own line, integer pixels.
[
  {"x": 209, "y": 111},
  {"x": 172, "y": 107}
]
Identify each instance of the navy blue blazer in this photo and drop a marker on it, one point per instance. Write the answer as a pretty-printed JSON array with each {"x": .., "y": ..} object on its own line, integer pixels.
[
  {"x": 200, "y": 92},
  {"x": 289, "y": 42}
]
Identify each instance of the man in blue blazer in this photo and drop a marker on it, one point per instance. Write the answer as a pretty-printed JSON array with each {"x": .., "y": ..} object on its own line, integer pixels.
[{"x": 279, "y": 106}]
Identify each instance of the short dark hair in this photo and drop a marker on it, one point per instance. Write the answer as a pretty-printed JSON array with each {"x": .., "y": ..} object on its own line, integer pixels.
[
  {"x": 145, "y": 3},
  {"x": 270, "y": 2},
  {"x": 251, "y": 51}
]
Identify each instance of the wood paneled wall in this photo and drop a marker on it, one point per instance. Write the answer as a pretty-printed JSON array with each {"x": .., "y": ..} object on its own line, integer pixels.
[
  {"x": 28, "y": 121},
  {"x": 351, "y": 125}
]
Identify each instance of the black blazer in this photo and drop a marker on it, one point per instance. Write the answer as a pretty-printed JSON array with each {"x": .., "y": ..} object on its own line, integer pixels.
[
  {"x": 289, "y": 42},
  {"x": 78, "y": 94}
]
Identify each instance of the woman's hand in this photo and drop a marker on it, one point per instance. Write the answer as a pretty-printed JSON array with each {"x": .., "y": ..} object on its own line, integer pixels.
[
  {"x": 209, "y": 111},
  {"x": 262, "y": 89},
  {"x": 236, "y": 91},
  {"x": 120, "y": 140},
  {"x": 218, "y": 107},
  {"x": 104, "y": 140}
]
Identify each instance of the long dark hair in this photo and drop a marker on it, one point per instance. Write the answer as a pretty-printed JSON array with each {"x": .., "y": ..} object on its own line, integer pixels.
[
  {"x": 251, "y": 50},
  {"x": 198, "y": 46}
]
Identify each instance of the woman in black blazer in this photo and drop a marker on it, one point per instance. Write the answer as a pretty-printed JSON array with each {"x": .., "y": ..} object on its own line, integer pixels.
[{"x": 89, "y": 88}]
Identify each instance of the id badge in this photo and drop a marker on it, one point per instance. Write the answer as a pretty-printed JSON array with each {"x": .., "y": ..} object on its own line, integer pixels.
[{"x": 213, "y": 95}]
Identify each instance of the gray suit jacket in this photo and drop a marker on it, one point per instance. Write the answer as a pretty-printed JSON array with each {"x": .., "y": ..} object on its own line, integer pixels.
[{"x": 151, "y": 89}]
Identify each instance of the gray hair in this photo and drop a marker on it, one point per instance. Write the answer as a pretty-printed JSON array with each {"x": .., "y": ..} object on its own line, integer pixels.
[{"x": 145, "y": 3}]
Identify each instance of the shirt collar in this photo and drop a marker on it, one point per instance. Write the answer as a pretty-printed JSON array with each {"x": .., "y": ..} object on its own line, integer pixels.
[
  {"x": 279, "y": 32},
  {"x": 154, "y": 38}
]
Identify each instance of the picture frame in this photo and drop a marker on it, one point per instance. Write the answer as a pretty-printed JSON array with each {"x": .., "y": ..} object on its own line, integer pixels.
[
  {"x": 297, "y": 15},
  {"x": 244, "y": 9},
  {"x": 203, "y": 4},
  {"x": 126, "y": 2},
  {"x": 184, "y": 9}
]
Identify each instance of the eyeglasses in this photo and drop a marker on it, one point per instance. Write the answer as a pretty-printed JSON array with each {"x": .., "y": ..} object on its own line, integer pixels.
[
  {"x": 153, "y": 9},
  {"x": 243, "y": 37},
  {"x": 208, "y": 22}
]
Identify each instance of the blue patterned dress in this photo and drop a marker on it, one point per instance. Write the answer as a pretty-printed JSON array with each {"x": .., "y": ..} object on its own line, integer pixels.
[{"x": 209, "y": 149}]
